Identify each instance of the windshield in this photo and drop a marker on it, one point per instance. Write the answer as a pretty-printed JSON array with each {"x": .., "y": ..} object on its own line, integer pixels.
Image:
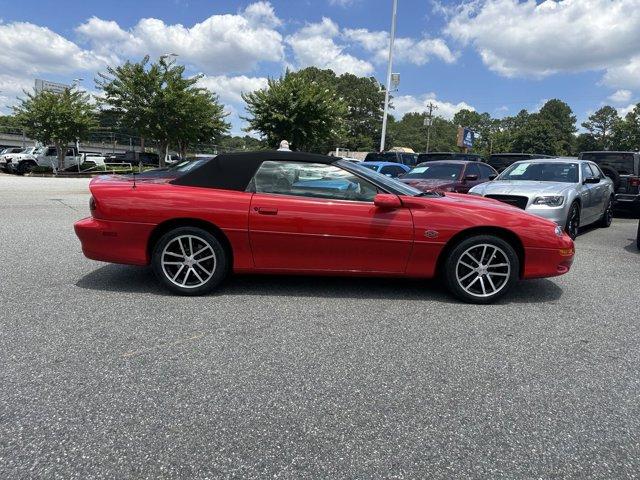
[
  {"x": 542, "y": 172},
  {"x": 393, "y": 185},
  {"x": 438, "y": 171}
]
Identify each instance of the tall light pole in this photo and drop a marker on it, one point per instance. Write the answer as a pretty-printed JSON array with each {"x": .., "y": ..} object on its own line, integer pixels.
[{"x": 389, "y": 68}]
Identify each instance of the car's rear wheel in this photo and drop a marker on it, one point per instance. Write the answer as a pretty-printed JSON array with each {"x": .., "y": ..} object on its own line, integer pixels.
[
  {"x": 189, "y": 261},
  {"x": 26, "y": 166},
  {"x": 638, "y": 236},
  {"x": 481, "y": 269},
  {"x": 607, "y": 216},
  {"x": 572, "y": 224}
]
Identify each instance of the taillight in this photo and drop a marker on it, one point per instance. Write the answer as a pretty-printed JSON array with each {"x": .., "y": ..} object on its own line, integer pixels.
[
  {"x": 634, "y": 181},
  {"x": 92, "y": 204}
]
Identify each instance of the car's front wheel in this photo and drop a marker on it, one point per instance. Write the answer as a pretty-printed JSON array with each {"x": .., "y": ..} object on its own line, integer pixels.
[
  {"x": 189, "y": 261},
  {"x": 481, "y": 269},
  {"x": 572, "y": 224}
]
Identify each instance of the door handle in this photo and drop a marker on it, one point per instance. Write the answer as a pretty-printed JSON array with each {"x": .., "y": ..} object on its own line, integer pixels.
[{"x": 266, "y": 210}]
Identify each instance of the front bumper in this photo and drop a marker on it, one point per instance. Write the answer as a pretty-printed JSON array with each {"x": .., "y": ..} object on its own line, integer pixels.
[
  {"x": 114, "y": 242},
  {"x": 555, "y": 214},
  {"x": 549, "y": 262}
]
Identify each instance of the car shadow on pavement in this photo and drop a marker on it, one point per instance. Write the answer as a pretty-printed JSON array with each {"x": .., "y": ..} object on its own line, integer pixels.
[{"x": 141, "y": 280}]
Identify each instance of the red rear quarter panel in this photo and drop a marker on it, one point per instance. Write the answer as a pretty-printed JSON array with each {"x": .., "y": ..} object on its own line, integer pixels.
[{"x": 130, "y": 215}]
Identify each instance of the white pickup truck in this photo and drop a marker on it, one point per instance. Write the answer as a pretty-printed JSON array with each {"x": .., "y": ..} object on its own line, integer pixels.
[{"x": 29, "y": 158}]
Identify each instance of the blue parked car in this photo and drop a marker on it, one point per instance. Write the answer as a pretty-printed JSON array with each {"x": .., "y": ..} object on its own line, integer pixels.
[{"x": 390, "y": 169}]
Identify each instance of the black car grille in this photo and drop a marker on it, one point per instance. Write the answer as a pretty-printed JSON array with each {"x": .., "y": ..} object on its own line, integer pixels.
[{"x": 514, "y": 200}]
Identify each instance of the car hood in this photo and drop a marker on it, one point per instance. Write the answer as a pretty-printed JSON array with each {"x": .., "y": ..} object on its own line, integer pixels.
[{"x": 522, "y": 187}]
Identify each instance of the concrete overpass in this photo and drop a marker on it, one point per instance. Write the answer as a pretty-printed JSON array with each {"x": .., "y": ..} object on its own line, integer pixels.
[{"x": 17, "y": 140}]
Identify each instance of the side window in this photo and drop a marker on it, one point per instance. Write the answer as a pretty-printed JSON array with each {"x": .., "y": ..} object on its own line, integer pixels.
[
  {"x": 586, "y": 171},
  {"x": 51, "y": 152},
  {"x": 472, "y": 169},
  {"x": 316, "y": 180},
  {"x": 408, "y": 159},
  {"x": 596, "y": 171},
  {"x": 485, "y": 171}
]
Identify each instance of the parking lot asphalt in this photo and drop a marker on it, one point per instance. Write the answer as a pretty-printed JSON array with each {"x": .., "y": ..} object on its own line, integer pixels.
[{"x": 104, "y": 375}]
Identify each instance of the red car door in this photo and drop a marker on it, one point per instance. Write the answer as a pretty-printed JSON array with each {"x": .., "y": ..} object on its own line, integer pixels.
[
  {"x": 290, "y": 228},
  {"x": 298, "y": 233}
]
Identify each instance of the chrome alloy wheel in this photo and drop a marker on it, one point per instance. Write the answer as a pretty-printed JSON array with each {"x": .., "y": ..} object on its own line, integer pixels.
[
  {"x": 188, "y": 261},
  {"x": 483, "y": 270}
]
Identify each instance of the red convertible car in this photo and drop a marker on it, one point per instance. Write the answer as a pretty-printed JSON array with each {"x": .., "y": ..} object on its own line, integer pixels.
[{"x": 295, "y": 213}]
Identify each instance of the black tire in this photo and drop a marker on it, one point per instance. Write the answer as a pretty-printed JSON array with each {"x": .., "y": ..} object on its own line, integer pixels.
[
  {"x": 191, "y": 278},
  {"x": 456, "y": 273},
  {"x": 638, "y": 236},
  {"x": 572, "y": 225},
  {"x": 613, "y": 174},
  {"x": 607, "y": 216},
  {"x": 25, "y": 166}
]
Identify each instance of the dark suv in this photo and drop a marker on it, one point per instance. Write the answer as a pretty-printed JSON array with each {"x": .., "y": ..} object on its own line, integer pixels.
[
  {"x": 623, "y": 168},
  {"x": 500, "y": 161},
  {"x": 408, "y": 159},
  {"x": 434, "y": 156}
]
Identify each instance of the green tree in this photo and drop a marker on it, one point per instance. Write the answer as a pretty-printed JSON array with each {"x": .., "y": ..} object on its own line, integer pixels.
[
  {"x": 411, "y": 132},
  {"x": 158, "y": 102},
  {"x": 57, "y": 118},
  {"x": 601, "y": 126},
  {"x": 307, "y": 113},
  {"x": 627, "y": 132},
  {"x": 558, "y": 117},
  {"x": 236, "y": 143},
  {"x": 363, "y": 98}
]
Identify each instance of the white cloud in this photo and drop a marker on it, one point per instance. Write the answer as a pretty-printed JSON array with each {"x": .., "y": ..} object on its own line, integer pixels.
[
  {"x": 621, "y": 96},
  {"x": 218, "y": 44},
  {"x": 623, "y": 111},
  {"x": 517, "y": 38},
  {"x": 409, "y": 103},
  {"x": 626, "y": 75},
  {"x": 230, "y": 89},
  {"x": 315, "y": 45},
  {"x": 406, "y": 50},
  {"x": 342, "y": 3},
  {"x": 28, "y": 49}
]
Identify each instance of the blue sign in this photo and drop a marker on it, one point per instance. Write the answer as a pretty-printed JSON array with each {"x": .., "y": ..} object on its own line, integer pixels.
[{"x": 468, "y": 137}]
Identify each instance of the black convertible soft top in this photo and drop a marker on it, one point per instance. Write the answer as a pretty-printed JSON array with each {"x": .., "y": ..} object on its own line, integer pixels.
[{"x": 234, "y": 171}]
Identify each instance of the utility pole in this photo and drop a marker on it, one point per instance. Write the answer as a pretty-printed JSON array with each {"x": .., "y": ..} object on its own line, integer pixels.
[
  {"x": 389, "y": 68},
  {"x": 428, "y": 121}
]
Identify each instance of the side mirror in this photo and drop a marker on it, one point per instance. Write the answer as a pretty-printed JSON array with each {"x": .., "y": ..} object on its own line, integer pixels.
[
  {"x": 493, "y": 177},
  {"x": 470, "y": 178},
  {"x": 592, "y": 180},
  {"x": 387, "y": 201}
]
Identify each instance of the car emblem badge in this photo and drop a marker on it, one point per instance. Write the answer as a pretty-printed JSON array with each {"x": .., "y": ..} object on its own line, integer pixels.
[{"x": 431, "y": 234}]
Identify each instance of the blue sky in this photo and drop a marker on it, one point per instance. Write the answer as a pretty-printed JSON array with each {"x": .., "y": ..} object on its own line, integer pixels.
[{"x": 497, "y": 56}]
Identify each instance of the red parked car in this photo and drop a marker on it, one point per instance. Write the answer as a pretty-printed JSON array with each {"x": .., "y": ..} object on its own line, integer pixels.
[
  {"x": 448, "y": 175},
  {"x": 294, "y": 213}
]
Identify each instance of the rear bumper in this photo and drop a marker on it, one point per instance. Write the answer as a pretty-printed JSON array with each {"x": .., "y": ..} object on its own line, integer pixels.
[
  {"x": 623, "y": 200},
  {"x": 114, "y": 242}
]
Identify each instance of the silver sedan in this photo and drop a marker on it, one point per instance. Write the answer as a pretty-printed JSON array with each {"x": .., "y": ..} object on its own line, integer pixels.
[{"x": 570, "y": 192}]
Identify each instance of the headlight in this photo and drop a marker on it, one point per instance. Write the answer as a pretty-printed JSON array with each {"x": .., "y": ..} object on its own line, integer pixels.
[
  {"x": 554, "y": 201},
  {"x": 559, "y": 231}
]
